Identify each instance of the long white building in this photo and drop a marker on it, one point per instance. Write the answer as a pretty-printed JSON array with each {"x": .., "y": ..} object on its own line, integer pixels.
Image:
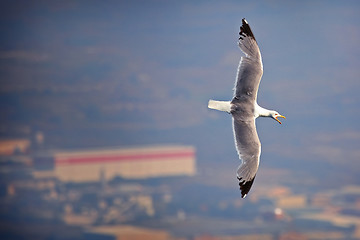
[{"x": 130, "y": 163}]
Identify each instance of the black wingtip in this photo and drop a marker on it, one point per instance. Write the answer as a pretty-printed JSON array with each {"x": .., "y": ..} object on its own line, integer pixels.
[
  {"x": 245, "y": 186},
  {"x": 245, "y": 30}
]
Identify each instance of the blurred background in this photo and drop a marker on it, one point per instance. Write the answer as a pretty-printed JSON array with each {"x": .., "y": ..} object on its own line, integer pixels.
[{"x": 105, "y": 131}]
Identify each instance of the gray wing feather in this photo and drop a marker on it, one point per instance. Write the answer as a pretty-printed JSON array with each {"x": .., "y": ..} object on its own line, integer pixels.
[
  {"x": 250, "y": 68},
  {"x": 249, "y": 148}
]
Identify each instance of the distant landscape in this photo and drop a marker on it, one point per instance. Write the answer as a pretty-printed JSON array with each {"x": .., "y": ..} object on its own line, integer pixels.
[{"x": 80, "y": 77}]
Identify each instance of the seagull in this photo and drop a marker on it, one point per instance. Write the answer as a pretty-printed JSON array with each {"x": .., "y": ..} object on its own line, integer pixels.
[{"x": 244, "y": 108}]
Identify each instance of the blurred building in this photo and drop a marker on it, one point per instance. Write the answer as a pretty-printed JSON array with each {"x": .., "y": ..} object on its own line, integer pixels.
[
  {"x": 14, "y": 146},
  {"x": 105, "y": 164},
  {"x": 254, "y": 236},
  {"x": 127, "y": 232},
  {"x": 292, "y": 201},
  {"x": 329, "y": 235}
]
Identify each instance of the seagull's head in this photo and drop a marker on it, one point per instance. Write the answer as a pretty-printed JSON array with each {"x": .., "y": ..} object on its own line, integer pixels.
[{"x": 275, "y": 115}]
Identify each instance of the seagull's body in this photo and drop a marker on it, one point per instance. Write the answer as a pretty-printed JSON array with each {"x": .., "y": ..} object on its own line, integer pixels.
[{"x": 244, "y": 108}]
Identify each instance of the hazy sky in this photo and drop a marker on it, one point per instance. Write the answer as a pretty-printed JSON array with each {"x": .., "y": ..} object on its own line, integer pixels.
[{"x": 135, "y": 72}]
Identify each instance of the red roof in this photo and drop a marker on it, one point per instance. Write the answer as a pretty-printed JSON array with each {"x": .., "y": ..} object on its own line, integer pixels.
[{"x": 150, "y": 156}]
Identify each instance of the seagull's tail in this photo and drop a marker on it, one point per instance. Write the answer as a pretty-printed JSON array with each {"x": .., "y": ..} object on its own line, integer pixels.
[{"x": 220, "y": 105}]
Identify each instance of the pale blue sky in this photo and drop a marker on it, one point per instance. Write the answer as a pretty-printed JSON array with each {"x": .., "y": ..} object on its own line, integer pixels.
[{"x": 141, "y": 72}]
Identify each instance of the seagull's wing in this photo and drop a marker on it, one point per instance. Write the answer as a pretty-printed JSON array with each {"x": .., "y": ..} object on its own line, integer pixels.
[
  {"x": 247, "y": 83},
  {"x": 249, "y": 148},
  {"x": 250, "y": 67}
]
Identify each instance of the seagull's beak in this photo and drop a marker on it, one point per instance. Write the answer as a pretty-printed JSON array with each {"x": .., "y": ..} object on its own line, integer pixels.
[{"x": 281, "y": 117}]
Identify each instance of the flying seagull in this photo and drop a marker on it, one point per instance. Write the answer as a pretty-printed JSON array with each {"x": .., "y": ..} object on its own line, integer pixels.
[{"x": 244, "y": 108}]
